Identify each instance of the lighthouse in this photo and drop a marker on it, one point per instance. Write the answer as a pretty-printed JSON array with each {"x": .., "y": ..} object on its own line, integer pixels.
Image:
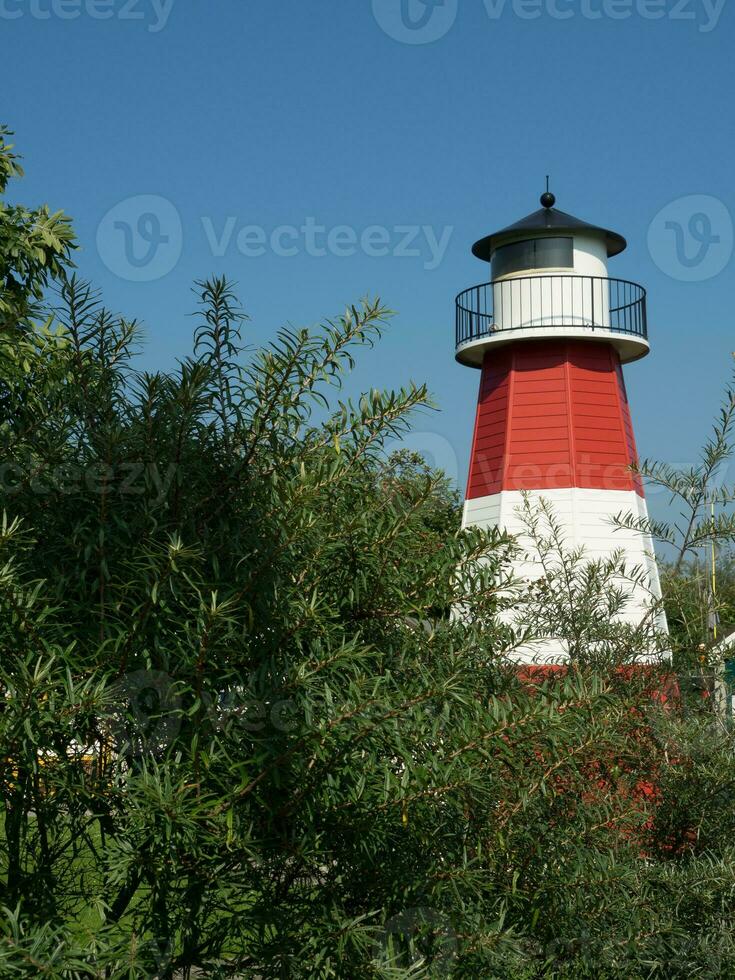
[{"x": 549, "y": 330}]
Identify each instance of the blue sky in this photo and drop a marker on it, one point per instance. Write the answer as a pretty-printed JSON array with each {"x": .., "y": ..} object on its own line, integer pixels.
[{"x": 249, "y": 116}]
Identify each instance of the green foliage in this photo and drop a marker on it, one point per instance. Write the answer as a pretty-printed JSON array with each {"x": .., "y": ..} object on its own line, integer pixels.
[
  {"x": 690, "y": 608},
  {"x": 702, "y": 524},
  {"x": 34, "y": 245}
]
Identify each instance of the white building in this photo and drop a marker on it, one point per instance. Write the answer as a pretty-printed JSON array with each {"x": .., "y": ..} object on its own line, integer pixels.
[{"x": 550, "y": 331}]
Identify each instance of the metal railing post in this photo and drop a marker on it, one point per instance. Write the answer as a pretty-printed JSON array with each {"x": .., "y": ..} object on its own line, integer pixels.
[
  {"x": 475, "y": 307},
  {"x": 592, "y": 291}
]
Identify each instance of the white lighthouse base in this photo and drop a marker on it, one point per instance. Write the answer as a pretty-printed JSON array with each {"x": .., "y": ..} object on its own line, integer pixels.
[{"x": 585, "y": 519}]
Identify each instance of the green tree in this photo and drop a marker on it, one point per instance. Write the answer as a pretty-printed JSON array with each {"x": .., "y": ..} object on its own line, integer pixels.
[
  {"x": 35, "y": 245},
  {"x": 701, "y": 524}
]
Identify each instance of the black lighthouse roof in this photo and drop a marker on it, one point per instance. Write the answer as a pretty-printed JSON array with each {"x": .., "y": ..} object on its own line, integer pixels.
[{"x": 547, "y": 218}]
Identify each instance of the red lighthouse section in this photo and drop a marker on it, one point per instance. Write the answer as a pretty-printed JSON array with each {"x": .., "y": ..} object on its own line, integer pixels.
[{"x": 552, "y": 414}]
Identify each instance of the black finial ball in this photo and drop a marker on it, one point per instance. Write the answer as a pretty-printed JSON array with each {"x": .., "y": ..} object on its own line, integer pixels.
[{"x": 548, "y": 200}]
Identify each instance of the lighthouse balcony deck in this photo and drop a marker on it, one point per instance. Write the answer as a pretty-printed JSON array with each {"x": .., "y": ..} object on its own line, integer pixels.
[{"x": 534, "y": 307}]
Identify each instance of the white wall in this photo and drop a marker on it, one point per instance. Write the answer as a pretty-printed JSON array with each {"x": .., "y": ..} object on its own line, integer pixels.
[
  {"x": 530, "y": 298},
  {"x": 585, "y": 517}
]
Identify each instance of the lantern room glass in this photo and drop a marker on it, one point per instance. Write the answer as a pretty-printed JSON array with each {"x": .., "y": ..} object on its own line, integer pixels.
[{"x": 533, "y": 253}]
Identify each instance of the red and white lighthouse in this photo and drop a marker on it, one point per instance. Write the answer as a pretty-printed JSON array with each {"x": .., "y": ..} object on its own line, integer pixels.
[{"x": 550, "y": 332}]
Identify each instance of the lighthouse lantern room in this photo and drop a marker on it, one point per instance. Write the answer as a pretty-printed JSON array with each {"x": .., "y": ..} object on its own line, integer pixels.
[{"x": 550, "y": 331}]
